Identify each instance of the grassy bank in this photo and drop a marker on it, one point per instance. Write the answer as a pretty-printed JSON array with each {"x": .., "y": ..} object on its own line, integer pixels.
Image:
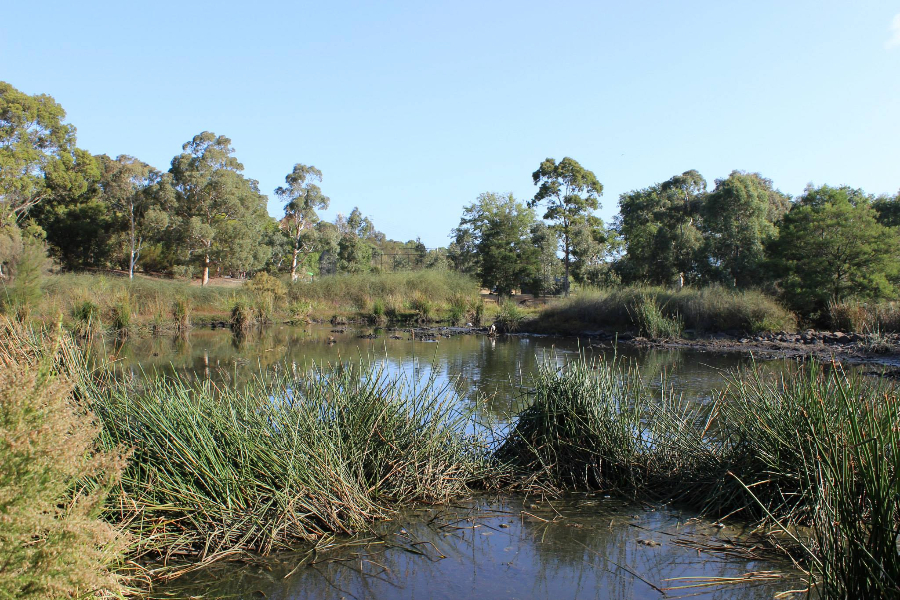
[
  {"x": 93, "y": 303},
  {"x": 660, "y": 313}
]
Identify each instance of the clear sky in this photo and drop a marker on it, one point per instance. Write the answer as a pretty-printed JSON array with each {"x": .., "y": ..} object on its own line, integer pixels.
[{"x": 411, "y": 109}]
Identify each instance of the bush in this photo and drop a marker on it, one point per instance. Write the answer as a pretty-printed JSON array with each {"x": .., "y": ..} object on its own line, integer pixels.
[{"x": 53, "y": 483}]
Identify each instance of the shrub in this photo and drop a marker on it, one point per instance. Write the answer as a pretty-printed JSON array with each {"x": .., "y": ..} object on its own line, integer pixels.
[{"x": 53, "y": 483}]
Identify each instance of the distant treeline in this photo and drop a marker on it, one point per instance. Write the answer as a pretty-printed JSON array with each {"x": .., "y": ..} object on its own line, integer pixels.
[{"x": 204, "y": 217}]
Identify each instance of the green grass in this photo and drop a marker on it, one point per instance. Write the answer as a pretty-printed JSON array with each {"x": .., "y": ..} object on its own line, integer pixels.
[{"x": 660, "y": 311}]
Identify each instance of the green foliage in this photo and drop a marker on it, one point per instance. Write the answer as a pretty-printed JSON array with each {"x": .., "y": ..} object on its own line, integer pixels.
[
  {"x": 423, "y": 306},
  {"x": 570, "y": 193},
  {"x": 243, "y": 315},
  {"x": 53, "y": 481},
  {"x": 21, "y": 292},
  {"x": 830, "y": 247},
  {"x": 815, "y": 447},
  {"x": 710, "y": 309},
  {"x": 181, "y": 314},
  {"x": 660, "y": 228},
  {"x": 281, "y": 461},
  {"x": 33, "y": 141},
  {"x": 221, "y": 214},
  {"x": 87, "y": 318},
  {"x": 121, "y": 316},
  {"x": 302, "y": 198},
  {"x": 497, "y": 230},
  {"x": 509, "y": 317},
  {"x": 651, "y": 321},
  {"x": 739, "y": 218}
]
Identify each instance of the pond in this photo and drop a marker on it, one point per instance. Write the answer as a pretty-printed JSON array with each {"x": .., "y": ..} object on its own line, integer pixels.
[{"x": 578, "y": 546}]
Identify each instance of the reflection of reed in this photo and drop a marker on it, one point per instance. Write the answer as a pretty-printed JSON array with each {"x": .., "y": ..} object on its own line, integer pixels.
[{"x": 584, "y": 547}]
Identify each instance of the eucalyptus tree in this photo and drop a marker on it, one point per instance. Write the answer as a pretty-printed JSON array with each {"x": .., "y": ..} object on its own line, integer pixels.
[
  {"x": 739, "y": 217},
  {"x": 569, "y": 192},
  {"x": 215, "y": 204},
  {"x": 33, "y": 141},
  {"x": 138, "y": 193},
  {"x": 500, "y": 230},
  {"x": 302, "y": 198},
  {"x": 660, "y": 228}
]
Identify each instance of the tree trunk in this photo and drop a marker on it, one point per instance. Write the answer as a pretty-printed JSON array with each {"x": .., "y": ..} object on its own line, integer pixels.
[
  {"x": 205, "y": 270},
  {"x": 131, "y": 264},
  {"x": 566, "y": 282},
  {"x": 294, "y": 264}
]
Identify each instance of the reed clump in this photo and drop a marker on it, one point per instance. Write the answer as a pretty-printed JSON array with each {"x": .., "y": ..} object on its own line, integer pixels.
[
  {"x": 285, "y": 459},
  {"x": 710, "y": 309},
  {"x": 815, "y": 448}
]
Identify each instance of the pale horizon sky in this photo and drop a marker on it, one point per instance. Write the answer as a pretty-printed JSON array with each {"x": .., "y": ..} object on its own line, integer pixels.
[{"x": 413, "y": 109}]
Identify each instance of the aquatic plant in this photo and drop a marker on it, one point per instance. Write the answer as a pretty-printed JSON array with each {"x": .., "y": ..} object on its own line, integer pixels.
[
  {"x": 288, "y": 458},
  {"x": 509, "y": 317},
  {"x": 815, "y": 447},
  {"x": 650, "y": 320},
  {"x": 708, "y": 309}
]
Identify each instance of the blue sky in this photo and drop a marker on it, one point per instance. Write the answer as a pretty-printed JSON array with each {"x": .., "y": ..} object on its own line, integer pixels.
[{"x": 413, "y": 109}]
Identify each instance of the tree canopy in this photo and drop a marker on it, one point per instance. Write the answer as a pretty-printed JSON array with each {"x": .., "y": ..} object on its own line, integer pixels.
[{"x": 569, "y": 193}]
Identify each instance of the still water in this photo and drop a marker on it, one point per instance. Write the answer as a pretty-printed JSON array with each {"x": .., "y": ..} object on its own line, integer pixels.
[{"x": 581, "y": 546}]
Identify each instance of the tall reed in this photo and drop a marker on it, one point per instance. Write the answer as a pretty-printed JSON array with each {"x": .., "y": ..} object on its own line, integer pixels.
[{"x": 284, "y": 459}]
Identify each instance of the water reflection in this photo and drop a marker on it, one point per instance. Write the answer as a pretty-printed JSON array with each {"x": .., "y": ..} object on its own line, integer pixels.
[
  {"x": 496, "y": 368},
  {"x": 583, "y": 547}
]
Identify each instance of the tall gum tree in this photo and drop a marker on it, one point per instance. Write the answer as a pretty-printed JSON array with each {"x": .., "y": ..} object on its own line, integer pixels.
[
  {"x": 212, "y": 197},
  {"x": 130, "y": 187},
  {"x": 739, "y": 218},
  {"x": 301, "y": 198},
  {"x": 33, "y": 139},
  {"x": 570, "y": 193}
]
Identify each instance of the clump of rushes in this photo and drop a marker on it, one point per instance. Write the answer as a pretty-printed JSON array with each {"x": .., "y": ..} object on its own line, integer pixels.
[
  {"x": 816, "y": 447},
  {"x": 651, "y": 321},
  {"x": 243, "y": 315},
  {"x": 299, "y": 311},
  {"x": 121, "y": 317},
  {"x": 181, "y": 314},
  {"x": 378, "y": 311},
  {"x": 221, "y": 470},
  {"x": 509, "y": 317},
  {"x": 87, "y": 319},
  {"x": 422, "y": 306}
]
